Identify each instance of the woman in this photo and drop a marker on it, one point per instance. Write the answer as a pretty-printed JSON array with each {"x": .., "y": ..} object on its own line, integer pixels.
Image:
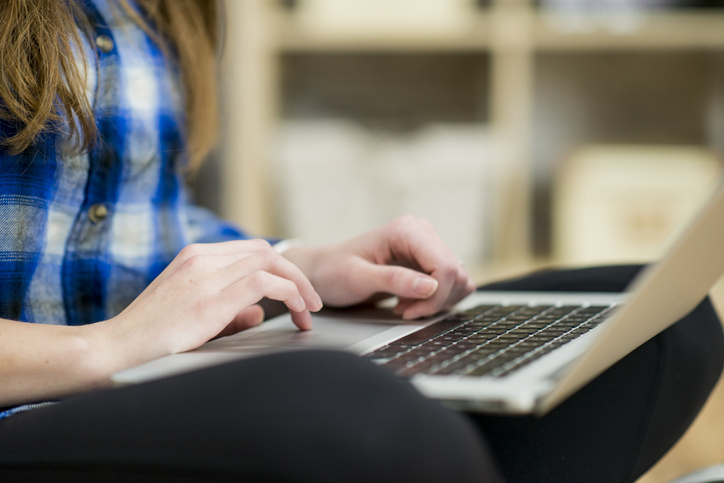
[{"x": 104, "y": 104}]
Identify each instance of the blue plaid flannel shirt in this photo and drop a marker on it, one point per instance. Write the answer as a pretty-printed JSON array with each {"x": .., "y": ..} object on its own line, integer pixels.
[{"x": 62, "y": 261}]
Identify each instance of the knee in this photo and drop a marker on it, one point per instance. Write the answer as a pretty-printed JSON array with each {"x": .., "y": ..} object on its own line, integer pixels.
[
  {"x": 694, "y": 348},
  {"x": 361, "y": 423}
]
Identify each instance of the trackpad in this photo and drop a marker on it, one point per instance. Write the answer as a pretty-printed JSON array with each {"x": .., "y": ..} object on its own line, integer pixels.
[{"x": 327, "y": 332}]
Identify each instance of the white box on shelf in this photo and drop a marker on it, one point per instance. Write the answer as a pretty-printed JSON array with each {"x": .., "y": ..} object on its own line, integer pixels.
[
  {"x": 443, "y": 173},
  {"x": 624, "y": 203},
  {"x": 337, "y": 179},
  {"x": 321, "y": 180},
  {"x": 369, "y": 18}
]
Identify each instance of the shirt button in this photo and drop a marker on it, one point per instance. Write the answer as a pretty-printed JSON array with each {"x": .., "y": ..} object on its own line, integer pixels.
[
  {"x": 104, "y": 43},
  {"x": 97, "y": 213}
]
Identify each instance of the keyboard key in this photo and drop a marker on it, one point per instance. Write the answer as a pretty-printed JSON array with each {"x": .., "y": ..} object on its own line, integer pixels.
[
  {"x": 487, "y": 319},
  {"x": 468, "y": 344},
  {"x": 457, "y": 349},
  {"x": 449, "y": 369},
  {"x": 385, "y": 353},
  {"x": 493, "y": 330},
  {"x": 486, "y": 367},
  {"x": 418, "y": 368},
  {"x": 480, "y": 309},
  {"x": 594, "y": 309},
  {"x": 482, "y": 336},
  {"x": 543, "y": 336},
  {"x": 478, "y": 355},
  {"x": 532, "y": 343},
  {"x": 524, "y": 330},
  {"x": 428, "y": 332}
]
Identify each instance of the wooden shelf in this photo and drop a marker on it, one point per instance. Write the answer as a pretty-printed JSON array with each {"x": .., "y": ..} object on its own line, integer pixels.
[
  {"x": 542, "y": 31},
  {"x": 293, "y": 37},
  {"x": 511, "y": 32},
  {"x": 650, "y": 31}
]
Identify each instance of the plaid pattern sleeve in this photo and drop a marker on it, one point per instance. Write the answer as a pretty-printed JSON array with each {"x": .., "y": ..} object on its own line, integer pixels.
[{"x": 82, "y": 236}]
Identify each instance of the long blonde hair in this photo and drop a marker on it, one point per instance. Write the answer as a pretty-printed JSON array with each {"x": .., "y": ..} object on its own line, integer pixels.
[{"x": 42, "y": 87}]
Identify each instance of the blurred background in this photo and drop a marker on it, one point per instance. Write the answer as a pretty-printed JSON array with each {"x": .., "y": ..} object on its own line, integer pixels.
[{"x": 532, "y": 133}]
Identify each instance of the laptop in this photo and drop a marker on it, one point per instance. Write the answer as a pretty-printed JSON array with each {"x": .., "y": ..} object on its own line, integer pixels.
[{"x": 496, "y": 352}]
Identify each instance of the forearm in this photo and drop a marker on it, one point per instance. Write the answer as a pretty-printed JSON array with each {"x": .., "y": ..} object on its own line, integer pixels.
[
  {"x": 207, "y": 290},
  {"x": 40, "y": 361}
]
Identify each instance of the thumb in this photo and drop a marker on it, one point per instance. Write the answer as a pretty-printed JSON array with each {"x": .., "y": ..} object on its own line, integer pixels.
[{"x": 399, "y": 281}]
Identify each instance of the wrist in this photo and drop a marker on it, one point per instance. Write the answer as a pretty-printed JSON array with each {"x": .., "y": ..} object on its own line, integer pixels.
[
  {"x": 307, "y": 259},
  {"x": 115, "y": 345},
  {"x": 288, "y": 244},
  {"x": 102, "y": 357}
]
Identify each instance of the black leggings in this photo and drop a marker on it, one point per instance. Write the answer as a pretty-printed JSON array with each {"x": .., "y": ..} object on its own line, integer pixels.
[{"x": 324, "y": 416}]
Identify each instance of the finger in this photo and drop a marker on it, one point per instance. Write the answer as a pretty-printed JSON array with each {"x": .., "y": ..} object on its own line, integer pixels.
[
  {"x": 415, "y": 240},
  {"x": 435, "y": 303},
  {"x": 459, "y": 289},
  {"x": 402, "y": 305},
  {"x": 399, "y": 281},
  {"x": 462, "y": 287},
  {"x": 253, "y": 288},
  {"x": 247, "y": 318},
  {"x": 446, "y": 296},
  {"x": 270, "y": 261},
  {"x": 302, "y": 319}
]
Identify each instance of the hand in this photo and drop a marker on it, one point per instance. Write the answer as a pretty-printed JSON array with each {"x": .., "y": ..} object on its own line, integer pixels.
[
  {"x": 405, "y": 257},
  {"x": 210, "y": 290}
]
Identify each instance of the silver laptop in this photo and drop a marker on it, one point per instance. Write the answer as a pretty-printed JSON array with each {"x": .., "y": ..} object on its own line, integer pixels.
[{"x": 497, "y": 352}]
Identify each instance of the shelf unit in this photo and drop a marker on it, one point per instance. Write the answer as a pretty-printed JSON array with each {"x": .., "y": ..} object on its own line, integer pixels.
[{"x": 511, "y": 32}]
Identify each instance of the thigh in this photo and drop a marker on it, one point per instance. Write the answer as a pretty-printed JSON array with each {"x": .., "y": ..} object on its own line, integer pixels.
[
  {"x": 621, "y": 423},
  {"x": 305, "y": 416}
]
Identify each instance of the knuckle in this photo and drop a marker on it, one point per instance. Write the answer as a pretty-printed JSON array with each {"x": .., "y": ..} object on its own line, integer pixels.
[
  {"x": 403, "y": 227},
  {"x": 392, "y": 277},
  {"x": 404, "y": 222},
  {"x": 257, "y": 279},
  {"x": 261, "y": 244},
  {"x": 268, "y": 255},
  {"x": 255, "y": 284},
  {"x": 290, "y": 287},
  {"x": 425, "y": 223},
  {"x": 190, "y": 251},
  {"x": 449, "y": 271},
  {"x": 193, "y": 263}
]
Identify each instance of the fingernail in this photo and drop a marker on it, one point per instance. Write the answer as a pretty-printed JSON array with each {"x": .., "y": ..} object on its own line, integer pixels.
[
  {"x": 424, "y": 286},
  {"x": 319, "y": 302},
  {"x": 301, "y": 303}
]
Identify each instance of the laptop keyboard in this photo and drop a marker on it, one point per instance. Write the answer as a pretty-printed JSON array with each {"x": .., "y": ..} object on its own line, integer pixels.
[{"x": 489, "y": 340}]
